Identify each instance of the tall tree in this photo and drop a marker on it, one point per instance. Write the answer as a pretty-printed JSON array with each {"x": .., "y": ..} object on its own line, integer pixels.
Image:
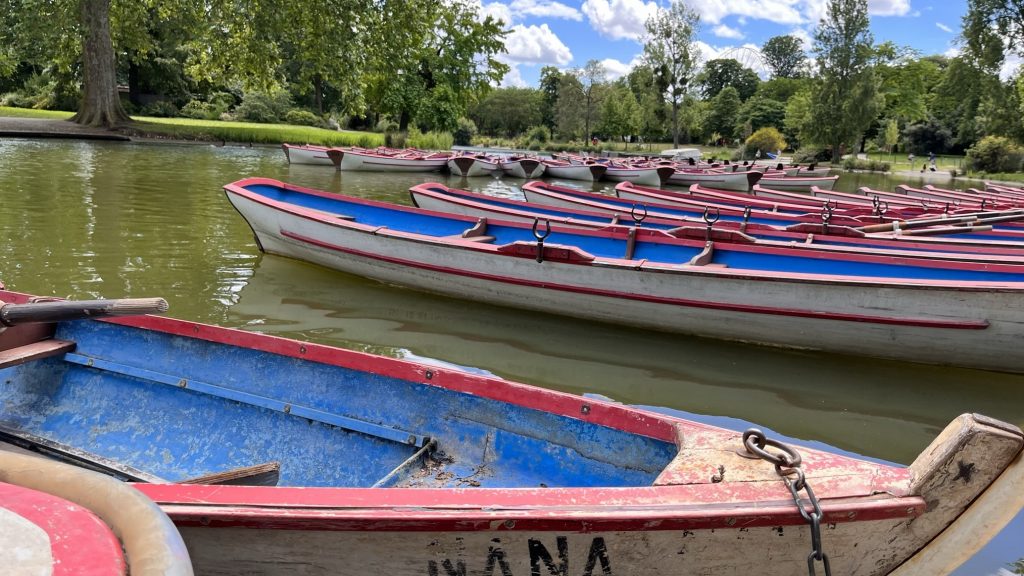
[
  {"x": 844, "y": 101},
  {"x": 549, "y": 80},
  {"x": 671, "y": 51},
  {"x": 991, "y": 28},
  {"x": 509, "y": 112},
  {"x": 586, "y": 91},
  {"x": 101, "y": 105},
  {"x": 725, "y": 109},
  {"x": 784, "y": 56},
  {"x": 569, "y": 109},
  {"x": 722, "y": 72}
]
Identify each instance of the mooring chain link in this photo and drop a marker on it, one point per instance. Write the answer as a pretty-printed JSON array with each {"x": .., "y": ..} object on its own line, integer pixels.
[{"x": 787, "y": 464}]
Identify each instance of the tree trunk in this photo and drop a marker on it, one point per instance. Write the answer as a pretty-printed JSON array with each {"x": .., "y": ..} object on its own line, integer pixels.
[
  {"x": 134, "y": 90},
  {"x": 835, "y": 154},
  {"x": 318, "y": 94},
  {"x": 403, "y": 121},
  {"x": 101, "y": 106},
  {"x": 675, "y": 124}
]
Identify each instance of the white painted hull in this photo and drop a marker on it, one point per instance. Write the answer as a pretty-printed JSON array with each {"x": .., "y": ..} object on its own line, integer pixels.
[
  {"x": 590, "y": 173},
  {"x": 736, "y": 181},
  {"x": 824, "y": 313},
  {"x": 478, "y": 167},
  {"x": 371, "y": 163},
  {"x": 525, "y": 169},
  {"x": 852, "y": 549},
  {"x": 308, "y": 155},
  {"x": 643, "y": 176}
]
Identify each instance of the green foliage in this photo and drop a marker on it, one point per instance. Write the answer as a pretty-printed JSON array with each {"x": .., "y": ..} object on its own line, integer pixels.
[
  {"x": 844, "y": 101},
  {"x": 784, "y": 56},
  {"x": 429, "y": 140},
  {"x": 671, "y": 51},
  {"x": 724, "y": 72},
  {"x": 264, "y": 107},
  {"x": 809, "y": 155},
  {"x": 759, "y": 112},
  {"x": 200, "y": 110},
  {"x": 621, "y": 113},
  {"x": 539, "y": 134},
  {"x": 160, "y": 109},
  {"x": 550, "y": 77},
  {"x": 396, "y": 139},
  {"x": 302, "y": 117},
  {"x": 465, "y": 132},
  {"x": 854, "y": 163},
  {"x": 928, "y": 136},
  {"x": 510, "y": 111},
  {"x": 215, "y": 131},
  {"x": 995, "y": 154},
  {"x": 766, "y": 140},
  {"x": 724, "y": 111}
]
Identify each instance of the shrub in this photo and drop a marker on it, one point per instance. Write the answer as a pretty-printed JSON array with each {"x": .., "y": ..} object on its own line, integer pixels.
[
  {"x": 263, "y": 107},
  {"x": 301, "y": 117},
  {"x": 854, "y": 163},
  {"x": 386, "y": 125},
  {"x": 464, "y": 132},
  {"x": 807, "y": 155},
  {"x": 430, "y": 140},
  {"x": 539, "y": 134},
  {"x": 395, "y": 139},
  {"x": 159, "y": 109},
  {"x": 200, "y": 110},
  {"x": 995, "y": 154},
  {"x": 767, "y": 139}
]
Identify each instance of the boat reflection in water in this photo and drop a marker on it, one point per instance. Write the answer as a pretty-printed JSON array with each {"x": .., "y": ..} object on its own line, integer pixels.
[{"x": 882, "y": 409}]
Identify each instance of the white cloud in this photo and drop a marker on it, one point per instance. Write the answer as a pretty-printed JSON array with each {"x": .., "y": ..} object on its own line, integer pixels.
[
  {"x": 951, "y": 52},
  {"x": 536, "y": 45},
  {"x": 888, "y": 7},
  {"x": 943, "y": 27},
  {"x": 1010, "y": 66},
  {"x": 617, "y": 69},
  {"x": 618, "y": 19},
  {"x": 544, "y": 9},
  {"x": 723, "y": 31},
  {"x": 497, "y": 10},
  {"x": 513, "y": 78}
]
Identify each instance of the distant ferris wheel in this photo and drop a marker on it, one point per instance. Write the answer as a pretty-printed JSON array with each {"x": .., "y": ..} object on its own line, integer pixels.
[{"x": 748, "y": 57}]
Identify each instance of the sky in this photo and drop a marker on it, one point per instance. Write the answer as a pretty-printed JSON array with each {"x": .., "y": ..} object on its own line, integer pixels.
[{"x": 567, "y": 34}]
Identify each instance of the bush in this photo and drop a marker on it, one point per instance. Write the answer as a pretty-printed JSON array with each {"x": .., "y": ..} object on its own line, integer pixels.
[
  {"x": 386, "y": 125},
  {"x": 808, "y": 155},
  {"x": 159, "y": 109},
  {"x": 262, "y": 107},
  {"x": 429, "y": 140},
  {"x": 465, "y": 131},
  {"x": 200, "y": 110},
  {"x": 995, "y": 154},
  {"x": 539, "y": 134},
  {"x": 301, "y": 117},
  {"x": 395, "y": 139},
  {"x": 854, "y": 163},
  {"x": 766, "y": 139}
]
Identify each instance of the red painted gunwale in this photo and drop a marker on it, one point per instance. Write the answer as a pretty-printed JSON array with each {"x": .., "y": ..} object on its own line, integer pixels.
[
  {"x": 80, "y": 543},
  {"x": 238, "y": 188}
]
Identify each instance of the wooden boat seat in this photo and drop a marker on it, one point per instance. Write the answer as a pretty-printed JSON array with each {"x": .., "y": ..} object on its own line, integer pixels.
[
  {"x": 705, "y": 256},
  {"x": 477, "y": 233}
]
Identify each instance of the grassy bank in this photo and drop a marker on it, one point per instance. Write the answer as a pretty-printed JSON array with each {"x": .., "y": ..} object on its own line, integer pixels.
[{"x": 217, "y": 131}]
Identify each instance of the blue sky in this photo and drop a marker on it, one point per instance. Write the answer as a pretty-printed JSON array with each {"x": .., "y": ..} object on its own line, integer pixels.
[{"x": 567, "y": 34}]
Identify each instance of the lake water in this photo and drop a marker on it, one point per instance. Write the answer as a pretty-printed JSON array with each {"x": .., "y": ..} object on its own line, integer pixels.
[{"x": 109, "y": 220}]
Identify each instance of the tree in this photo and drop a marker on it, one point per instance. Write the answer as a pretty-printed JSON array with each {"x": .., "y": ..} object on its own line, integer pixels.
[
  {"x": 766, "y": 140},
  {"x": 549, "y": 81},
  {"x": 621, "y": 114},
  {"x": 724, "y": 72},
  {"x": 762, "y": 112},
  {"x": 671, "y": 51},
  {"x": 509, "y": 111},
  {"x": 990, "y": 29},
  {"x": 891, "y": 136},
  {"x": 569, "y": 109},
  {"x": 101, "y": 105},
  {"x": 653, "y": 113},
  {"x": 784, "y": 56},
  {"x": 725, "y": 108},
  {"x": 844, "y": 101},
  {"x": 928, "y": 136},
  {"x": 799, "y": 120},
  {"x": 585, "y": 92}
]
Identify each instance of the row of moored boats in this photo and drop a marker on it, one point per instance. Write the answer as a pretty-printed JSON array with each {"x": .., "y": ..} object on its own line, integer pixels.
[{"x": 638, "y": 170}]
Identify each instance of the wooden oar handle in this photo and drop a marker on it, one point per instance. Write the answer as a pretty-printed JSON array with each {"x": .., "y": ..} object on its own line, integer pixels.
[{"x": 61, "y": 310}]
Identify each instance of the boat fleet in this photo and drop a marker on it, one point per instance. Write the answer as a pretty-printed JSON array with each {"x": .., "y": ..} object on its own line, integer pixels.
[
  {"x": 642, "y": 170},
  {"x": 152, "y": 445}
]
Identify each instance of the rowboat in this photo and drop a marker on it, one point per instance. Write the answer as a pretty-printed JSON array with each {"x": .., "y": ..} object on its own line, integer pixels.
[
  {"x": 900, "y": 308},
  {"x": 569, "y": 171},
  {"x": 522, "y": 167},
  {"x": 238, "y": 436},
  {"x": 907, "y": 243},
  {"x": 799, "y": 183},
  {"x": 648, "y": 175},
  {"x": 470, "y": 165},
  {"x": 719, "y": 179},
  {"x": 308, "y": 154},
  {"x": 397, "y": 161}
]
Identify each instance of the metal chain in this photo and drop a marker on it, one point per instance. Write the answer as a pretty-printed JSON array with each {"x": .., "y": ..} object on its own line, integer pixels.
[{"x": 787, "y": 465}]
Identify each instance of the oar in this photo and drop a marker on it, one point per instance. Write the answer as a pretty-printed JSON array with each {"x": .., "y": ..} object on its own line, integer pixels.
[
  {"x": 919, "y": 223},
  {"x": 61, "y": 310},
  {"x": 946, "y": 230}
]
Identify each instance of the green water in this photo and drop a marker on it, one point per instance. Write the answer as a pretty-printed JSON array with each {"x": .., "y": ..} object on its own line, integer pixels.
[{"x": 108, "y": 220}]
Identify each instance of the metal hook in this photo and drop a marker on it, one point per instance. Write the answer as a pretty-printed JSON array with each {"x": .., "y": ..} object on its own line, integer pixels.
[
  {"x": 826, "y": 217},
  {"x": 746, "y": 218},
  {"x": 540, "y": 237},
  {"x": 984, "y": 202},
  {"x": 874, "y": 202},
  {"x": 710, "y": 220},
  {"x": 638, "y": 218},
  {"x": 883, "y": 207},
  {"x": 946, "y": 209},
  {"x": 925, "y": 205}
]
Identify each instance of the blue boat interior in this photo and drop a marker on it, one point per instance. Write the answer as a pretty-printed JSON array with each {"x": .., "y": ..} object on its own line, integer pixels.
[
  {"x": 668, "y": 252},
  {"x": 161, "y": 407}
]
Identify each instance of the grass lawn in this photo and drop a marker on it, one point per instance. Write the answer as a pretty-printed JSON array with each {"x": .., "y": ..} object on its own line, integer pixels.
[{"x": 215, "y": 130}]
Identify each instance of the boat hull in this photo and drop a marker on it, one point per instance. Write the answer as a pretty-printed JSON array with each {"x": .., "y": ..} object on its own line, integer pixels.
[
  {"x": 525, "y": 168},
  {"x": 736, "y": 181},
  {"x": 315, "y": 155},
  {"x": 379, "y": 163},
  {"x": 888, "y": 319},
  {"x": 469, "y": 167},
  {"x": 585, "y": 173}
]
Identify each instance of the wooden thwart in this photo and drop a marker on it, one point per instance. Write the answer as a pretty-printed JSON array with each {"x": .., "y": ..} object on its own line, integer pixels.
[{"x": 266, "y": 474}]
